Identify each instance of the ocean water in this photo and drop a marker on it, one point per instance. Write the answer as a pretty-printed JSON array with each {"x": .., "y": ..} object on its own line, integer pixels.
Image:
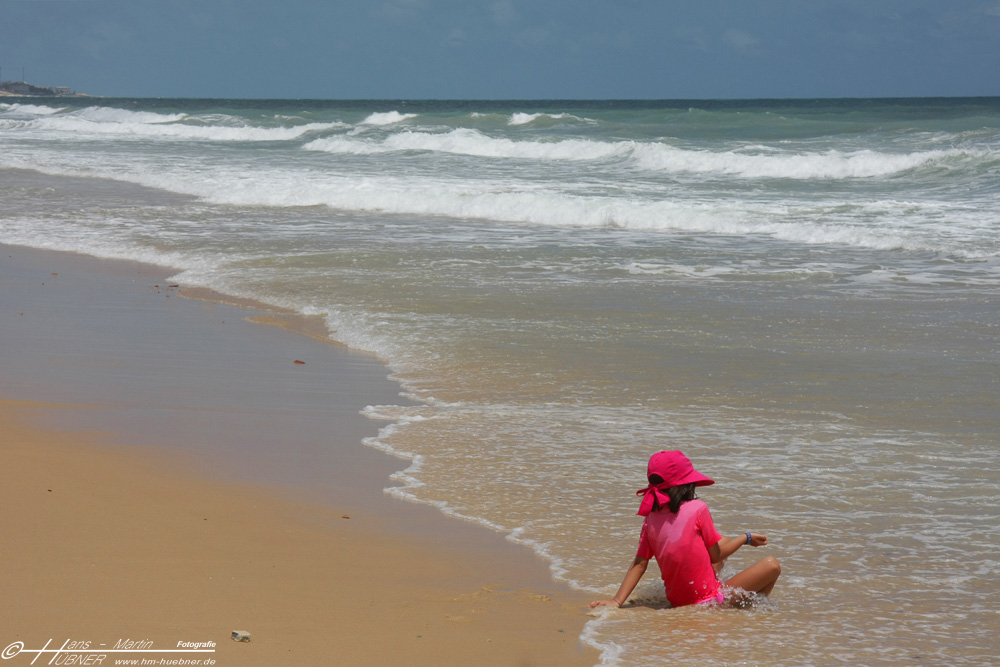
[{"x": 803, "y": 296}]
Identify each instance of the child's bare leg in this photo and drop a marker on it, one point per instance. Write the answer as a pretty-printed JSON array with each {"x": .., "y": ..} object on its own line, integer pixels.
[{"x": 758, "y": 578}]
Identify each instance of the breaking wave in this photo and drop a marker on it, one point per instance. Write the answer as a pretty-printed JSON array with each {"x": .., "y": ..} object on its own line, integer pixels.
[
  {"x": 527, "y": 118},
  {"x": 658, "y": 157},
  {"x": 387, "y": 118}
]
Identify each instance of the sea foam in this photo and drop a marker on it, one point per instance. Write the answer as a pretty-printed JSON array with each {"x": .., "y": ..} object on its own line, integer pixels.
[
  {"x": 470, "y": 142},
  {"x": 81, "y": 128},
  {"x": 386, "y": 118},
  {"x": 527, "y": 118}
]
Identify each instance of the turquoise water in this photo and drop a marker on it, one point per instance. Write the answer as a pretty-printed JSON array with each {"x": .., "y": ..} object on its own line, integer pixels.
[{"x": 801, "y": 295}]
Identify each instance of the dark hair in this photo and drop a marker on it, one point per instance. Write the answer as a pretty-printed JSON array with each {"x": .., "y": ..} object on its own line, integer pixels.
[{"x": 678, "y": 494}]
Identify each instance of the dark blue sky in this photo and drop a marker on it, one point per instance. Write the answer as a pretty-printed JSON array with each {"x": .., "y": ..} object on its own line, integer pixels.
[{"x": 505, "y": 49}]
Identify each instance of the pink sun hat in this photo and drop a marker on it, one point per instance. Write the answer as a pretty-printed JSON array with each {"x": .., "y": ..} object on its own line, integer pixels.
[{"x": 675, "y": 469}]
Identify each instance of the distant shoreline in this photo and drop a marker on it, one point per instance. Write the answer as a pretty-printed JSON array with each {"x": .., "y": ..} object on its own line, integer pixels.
[
  {"x": 25, "y": 89},
  {"x": 5, "y": 93}
]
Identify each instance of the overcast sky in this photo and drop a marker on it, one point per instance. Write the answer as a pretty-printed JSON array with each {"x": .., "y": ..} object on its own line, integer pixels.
[{"x": 505, "y": 49}]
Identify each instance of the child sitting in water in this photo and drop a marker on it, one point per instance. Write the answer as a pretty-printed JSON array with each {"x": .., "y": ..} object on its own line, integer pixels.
[{"x": 679, "y": 533}]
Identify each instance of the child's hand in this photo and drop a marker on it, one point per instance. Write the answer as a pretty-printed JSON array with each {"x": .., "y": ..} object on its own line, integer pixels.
[
  {"x": 604, "y": 603},
  {"x": 757, "y": 540}
]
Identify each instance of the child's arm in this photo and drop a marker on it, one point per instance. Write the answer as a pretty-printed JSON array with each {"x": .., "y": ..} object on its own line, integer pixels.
[
  {"x": 727, "y": 546},
  {"x": 632, "y": 577}
]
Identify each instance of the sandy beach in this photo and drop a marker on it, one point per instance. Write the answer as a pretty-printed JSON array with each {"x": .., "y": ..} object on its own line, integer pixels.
[{"x": 171, "y": 475}]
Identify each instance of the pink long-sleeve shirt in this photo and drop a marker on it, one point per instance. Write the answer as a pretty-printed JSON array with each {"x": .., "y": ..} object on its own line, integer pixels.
[{"x": 680, "y": 543}]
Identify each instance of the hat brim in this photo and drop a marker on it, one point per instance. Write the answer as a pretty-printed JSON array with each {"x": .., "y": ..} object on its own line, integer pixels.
[{"x": 696, "y": 478}]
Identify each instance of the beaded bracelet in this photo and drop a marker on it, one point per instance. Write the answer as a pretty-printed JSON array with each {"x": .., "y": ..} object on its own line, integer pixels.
[{"x": 748, "y": 538}]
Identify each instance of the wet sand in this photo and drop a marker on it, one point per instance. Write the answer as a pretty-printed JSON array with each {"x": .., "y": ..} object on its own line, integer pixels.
[{"x": 172, "y": 475}]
